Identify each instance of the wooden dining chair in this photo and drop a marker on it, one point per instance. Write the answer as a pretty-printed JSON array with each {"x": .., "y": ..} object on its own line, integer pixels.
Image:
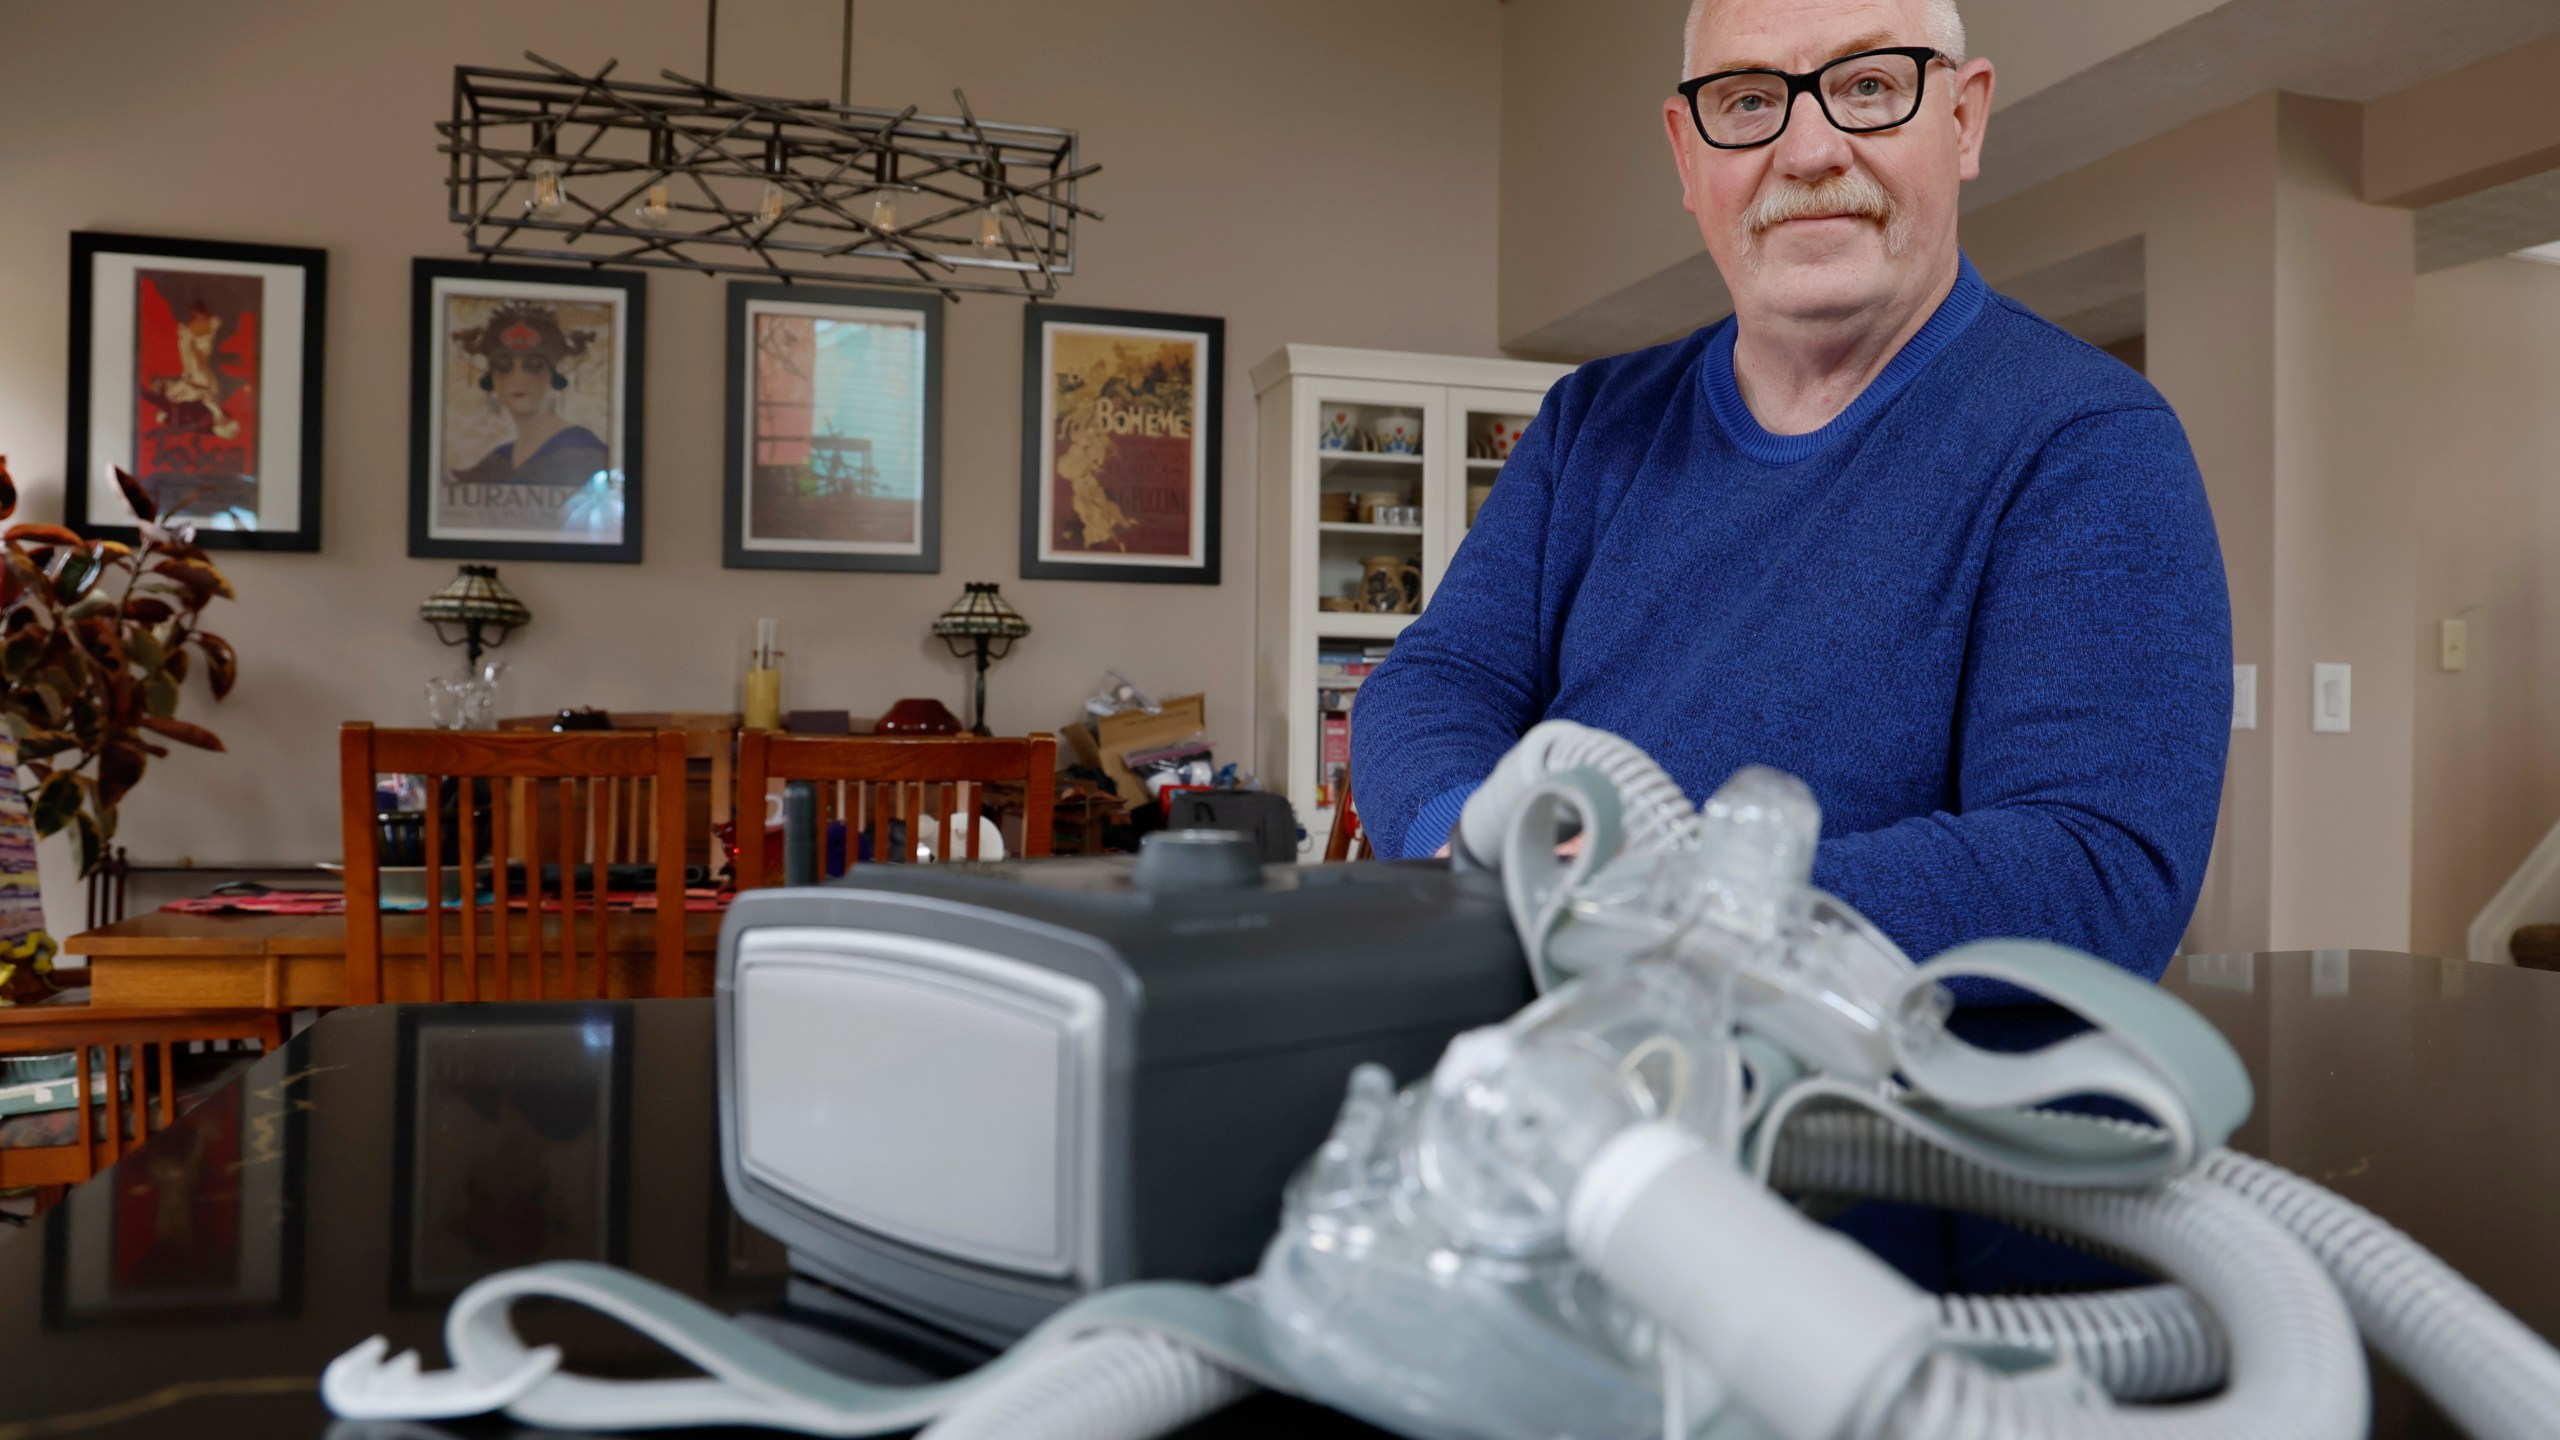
[
  {"x": 711, "y": 752},
  {"x": 602, "y": 797},
  {"x": 56, "y": 1149},
  {"x": 1348, "y": 834},
  {"x": 871, "y": 780}
]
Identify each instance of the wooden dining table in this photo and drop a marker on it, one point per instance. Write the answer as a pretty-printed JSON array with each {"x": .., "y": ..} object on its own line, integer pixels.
[{"x": 295, "y": 962}]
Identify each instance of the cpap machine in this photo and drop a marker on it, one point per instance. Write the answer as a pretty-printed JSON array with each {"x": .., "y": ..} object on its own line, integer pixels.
[{"x": 1507, "y": 1149}]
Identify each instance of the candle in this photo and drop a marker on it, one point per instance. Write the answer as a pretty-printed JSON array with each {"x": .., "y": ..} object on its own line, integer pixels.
[{"x": 764, "y": 680}]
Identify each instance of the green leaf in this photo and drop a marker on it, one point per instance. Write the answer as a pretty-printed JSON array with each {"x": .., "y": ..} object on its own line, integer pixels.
[
  {"x": 57, "y": 800},
  {"x": 96, "y": 602},
  {"x": 143, "y": 649},
  {"x": 20, "y": 655},
  {"x": 39, "y": 744},
  {"x": 160, "y": 695},
  {"x": 89, "y": 844}
]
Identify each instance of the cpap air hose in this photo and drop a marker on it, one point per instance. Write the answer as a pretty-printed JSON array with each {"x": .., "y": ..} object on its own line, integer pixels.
[
  {"x": 1112, "y": 1385},
  {"x": 1657, "y": 816},
  {"x": 2295, "y": 1367},
  {"x": 2279, "y": 1275},
  {"x": 2147, "y": 1343}
]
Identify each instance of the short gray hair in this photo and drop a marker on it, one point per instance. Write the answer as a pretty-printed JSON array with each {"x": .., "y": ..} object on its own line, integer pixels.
[{"x": 1944, "y": 27}]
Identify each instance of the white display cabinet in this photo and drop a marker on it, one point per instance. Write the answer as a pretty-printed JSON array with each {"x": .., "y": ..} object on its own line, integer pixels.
[{"x": 1368, "y": 428}]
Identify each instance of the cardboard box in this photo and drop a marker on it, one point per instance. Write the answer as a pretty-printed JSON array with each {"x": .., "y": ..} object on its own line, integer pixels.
[{"x": 1117, "y": 735}]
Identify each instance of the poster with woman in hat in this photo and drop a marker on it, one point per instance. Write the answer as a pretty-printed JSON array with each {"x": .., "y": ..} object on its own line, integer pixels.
[{"x": 524, "y": 441}]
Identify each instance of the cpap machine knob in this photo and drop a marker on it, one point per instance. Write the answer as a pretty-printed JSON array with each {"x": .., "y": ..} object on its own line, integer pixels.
[{"x": 1199, "y": 860}]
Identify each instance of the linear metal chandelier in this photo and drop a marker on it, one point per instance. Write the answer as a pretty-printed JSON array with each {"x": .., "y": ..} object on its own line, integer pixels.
[{"x": 552, "y": 164}]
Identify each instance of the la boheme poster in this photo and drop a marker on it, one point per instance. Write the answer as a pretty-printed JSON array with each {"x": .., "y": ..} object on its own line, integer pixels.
[{"x": 1121, "y": 465}]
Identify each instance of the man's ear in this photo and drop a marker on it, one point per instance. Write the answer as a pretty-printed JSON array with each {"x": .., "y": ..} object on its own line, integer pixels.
[
  {"x": 1679, "y": 129},
  {"x": 1973, "y": 87}
]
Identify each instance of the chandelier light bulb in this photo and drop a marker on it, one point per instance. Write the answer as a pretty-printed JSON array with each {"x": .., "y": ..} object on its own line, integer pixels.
[
  {"x": 884, "y": 211},
  {"x": 770, "y": 205},
  {"x": 652, "y": 211},
  {"x": 990, "y": 233},
  {"x": 546, "y": 202}
]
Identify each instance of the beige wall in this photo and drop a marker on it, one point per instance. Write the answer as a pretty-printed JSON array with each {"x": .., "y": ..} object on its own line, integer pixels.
[
  {"x": 2202, "y": 200},
  {"x": 1321, "y": 171},
  {"x": 2344, "y": 274},
  {"x": 2278, "y": 321},
  {"x": 2487, "y": 533},
  {"x": 1597, "y": 255}
]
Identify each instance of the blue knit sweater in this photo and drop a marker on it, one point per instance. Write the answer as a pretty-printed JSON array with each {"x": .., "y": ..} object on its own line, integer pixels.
[{"x": 1981, "y": 613}]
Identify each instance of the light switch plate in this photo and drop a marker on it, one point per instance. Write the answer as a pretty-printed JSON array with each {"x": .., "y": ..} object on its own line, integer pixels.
[
  {"x": 2332, "y": 698},
  {"x": 2244, "y": 697},
  {"x": 2453, "y": 644}
]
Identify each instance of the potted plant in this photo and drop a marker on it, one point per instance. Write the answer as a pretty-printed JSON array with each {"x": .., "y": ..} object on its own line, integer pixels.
[{"x": 96, "y": 640}]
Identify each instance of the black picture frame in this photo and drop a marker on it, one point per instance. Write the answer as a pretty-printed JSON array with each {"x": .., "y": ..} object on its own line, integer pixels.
[
  {"x": 741, "y": 550},
  {"x": 432, "y": 345},
  {"x": 542, "y": 1068},
  {"x": 1041, "y": 561},
  {"x": 264, "y": 1114},
  {"x": 103, "y": 333}
]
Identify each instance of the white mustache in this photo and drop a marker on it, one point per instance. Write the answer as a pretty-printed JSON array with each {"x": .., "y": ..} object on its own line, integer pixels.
[{"x": 1849, "y": 194}]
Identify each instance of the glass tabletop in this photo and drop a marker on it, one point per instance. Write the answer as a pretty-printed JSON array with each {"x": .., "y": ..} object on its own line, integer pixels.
[{"x": 354, "y": 1181}]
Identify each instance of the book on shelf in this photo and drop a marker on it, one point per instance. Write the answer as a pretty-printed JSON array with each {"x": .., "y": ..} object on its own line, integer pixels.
[{"x": 1334, "y": 761}]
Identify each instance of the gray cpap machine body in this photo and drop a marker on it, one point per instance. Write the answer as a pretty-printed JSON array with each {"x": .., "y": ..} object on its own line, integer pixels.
[{"x": 972, "y": 1093}]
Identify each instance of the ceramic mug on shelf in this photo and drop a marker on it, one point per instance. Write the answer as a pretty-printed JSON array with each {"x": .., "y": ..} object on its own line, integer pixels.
[
  {"x": 1373, "y": 501},
  {"x": 1400, "y": 434},
  {"x": 1390, "y": 584},
  {"x": 1337, "y": 428},
  {"x": 1502, "y": 434}
]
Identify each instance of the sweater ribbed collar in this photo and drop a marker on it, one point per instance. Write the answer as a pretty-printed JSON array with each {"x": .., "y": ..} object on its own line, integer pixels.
[{"x": 1724, "y": 392}]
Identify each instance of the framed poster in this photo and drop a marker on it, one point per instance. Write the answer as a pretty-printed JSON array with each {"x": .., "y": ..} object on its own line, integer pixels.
[
  {"x": 524, "y": 412},
  {"x": 195, "y": 365},
  {"x": 1120, "y": 433},
  {"x": 511, "y": 1144},
  {"x": 835, "y": 430},
  {"x": 204, "y": 1223}
]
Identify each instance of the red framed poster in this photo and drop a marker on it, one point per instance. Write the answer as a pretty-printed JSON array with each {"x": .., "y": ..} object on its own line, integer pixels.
[{"x": 196, "y": 365}]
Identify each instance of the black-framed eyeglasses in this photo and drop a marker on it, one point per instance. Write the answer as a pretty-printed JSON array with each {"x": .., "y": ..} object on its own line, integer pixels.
[{"x": 1859, "y": 94}]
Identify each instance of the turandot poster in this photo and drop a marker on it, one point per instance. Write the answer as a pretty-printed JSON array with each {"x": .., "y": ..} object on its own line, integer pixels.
[
  {"x": 525, "y": 434},
  {"x": 196, "y": 368},
  {"x": 1121, "y": 445},
  {"x": 835, "y": 426}
]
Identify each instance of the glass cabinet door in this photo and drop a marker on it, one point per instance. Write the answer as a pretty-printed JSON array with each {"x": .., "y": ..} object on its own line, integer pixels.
[
  {"x": 1480, "y": 428},
  {"x": 1373, "y": 446}
]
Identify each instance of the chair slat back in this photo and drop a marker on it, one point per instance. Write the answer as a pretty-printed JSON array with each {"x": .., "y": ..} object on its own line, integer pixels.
[
  {"x": 1347, "y": 834},
  {"x": 119, "y": 1047},
  {"x": 599, "y": 798},
  {"x": 884, "y": 787}
]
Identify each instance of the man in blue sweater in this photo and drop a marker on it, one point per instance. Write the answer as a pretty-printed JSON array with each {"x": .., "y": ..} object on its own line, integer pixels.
[{"x": 1883, "y": 529}]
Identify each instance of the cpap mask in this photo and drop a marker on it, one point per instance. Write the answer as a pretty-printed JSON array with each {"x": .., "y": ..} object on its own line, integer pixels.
[{"x": 1577, "y": 1224}]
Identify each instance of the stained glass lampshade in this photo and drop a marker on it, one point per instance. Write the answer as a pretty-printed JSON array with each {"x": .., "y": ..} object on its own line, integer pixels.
[
  {"x": 983, "y": 623},
  {"x": 478, "y": 602}
]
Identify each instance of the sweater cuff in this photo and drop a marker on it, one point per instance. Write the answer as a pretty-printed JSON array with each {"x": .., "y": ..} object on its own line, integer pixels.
[{"x": 1433, "y": 822}]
